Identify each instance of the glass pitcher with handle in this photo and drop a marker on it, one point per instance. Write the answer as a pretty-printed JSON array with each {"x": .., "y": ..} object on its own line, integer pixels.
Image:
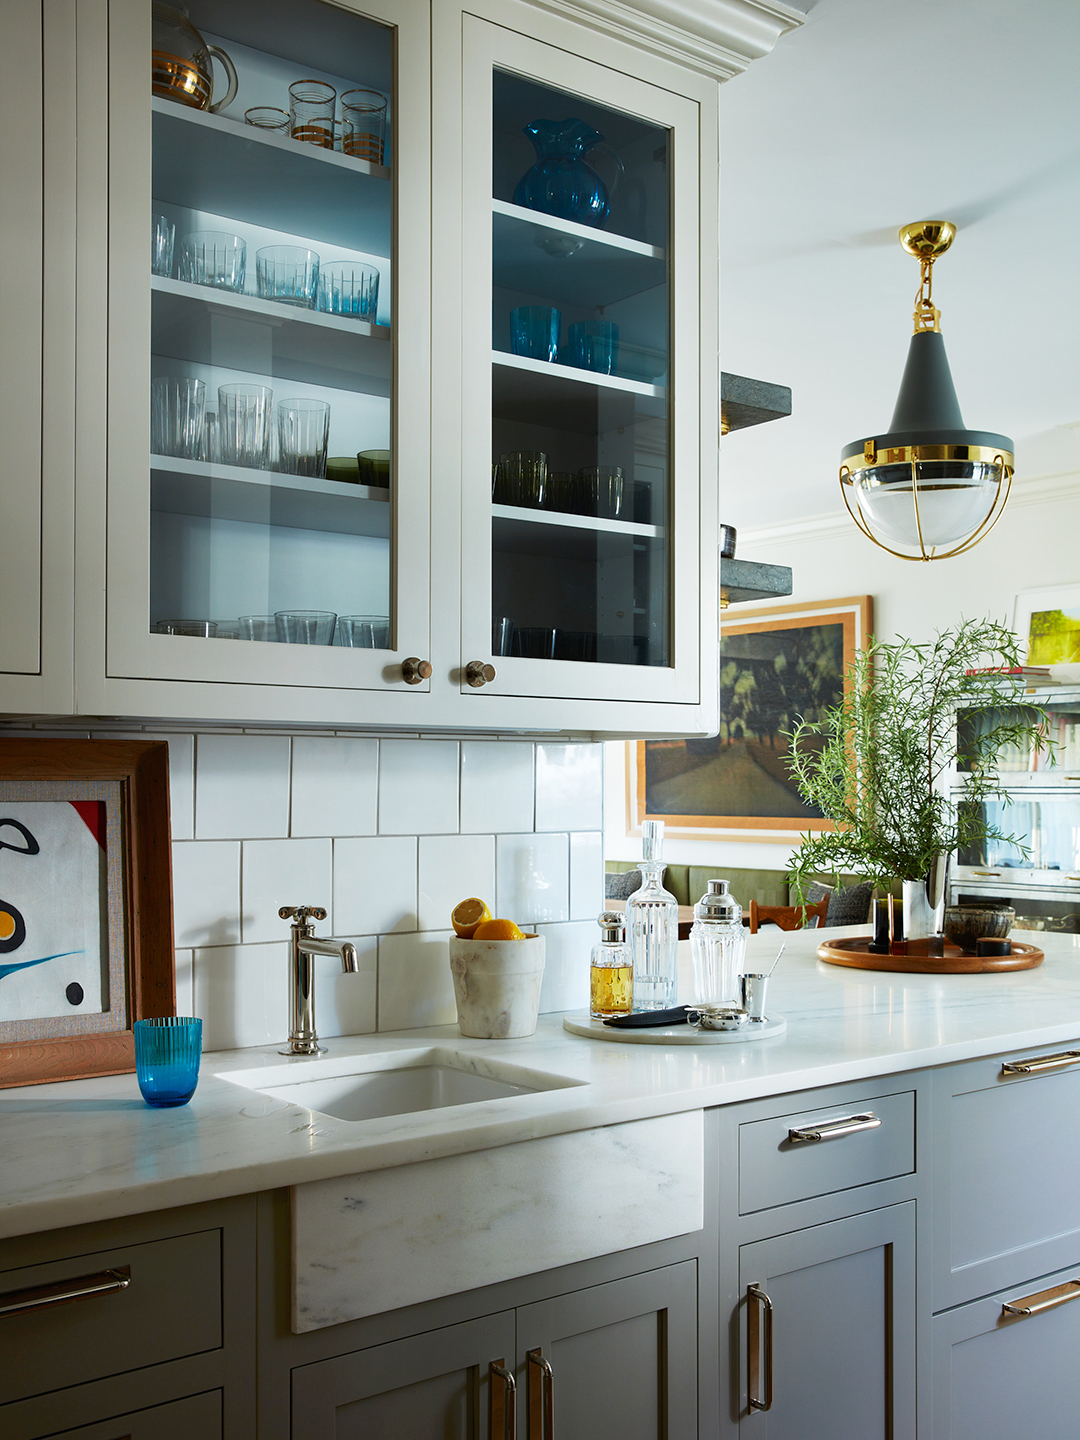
[{"x": 181, "y": 62}]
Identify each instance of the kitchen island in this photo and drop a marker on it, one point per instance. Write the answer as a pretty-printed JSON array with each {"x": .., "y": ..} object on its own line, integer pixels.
[{"x": 886, "y": 1256}]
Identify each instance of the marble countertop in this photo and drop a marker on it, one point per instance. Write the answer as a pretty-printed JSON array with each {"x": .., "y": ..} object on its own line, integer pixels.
[{"x": 91, "y": 1150}]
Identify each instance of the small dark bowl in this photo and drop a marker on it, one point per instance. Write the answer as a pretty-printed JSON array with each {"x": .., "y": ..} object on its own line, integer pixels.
[
  {"x": 728, "y": 536},
  {"x": 965, "y": 924}
]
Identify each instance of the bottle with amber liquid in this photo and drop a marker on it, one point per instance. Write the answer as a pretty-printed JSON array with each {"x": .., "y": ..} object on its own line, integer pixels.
[{"x": 611, "y": 973}]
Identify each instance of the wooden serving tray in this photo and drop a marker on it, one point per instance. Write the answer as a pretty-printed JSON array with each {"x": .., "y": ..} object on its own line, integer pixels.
[{"x": 855, "y": 954}]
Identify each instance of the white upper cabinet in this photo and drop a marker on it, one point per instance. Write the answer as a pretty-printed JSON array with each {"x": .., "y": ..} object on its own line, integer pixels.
[{"x": 395, "y": 366}]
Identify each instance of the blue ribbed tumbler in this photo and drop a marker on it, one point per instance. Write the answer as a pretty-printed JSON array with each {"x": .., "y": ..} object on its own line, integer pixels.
[{"x": 167, "y": 1054}]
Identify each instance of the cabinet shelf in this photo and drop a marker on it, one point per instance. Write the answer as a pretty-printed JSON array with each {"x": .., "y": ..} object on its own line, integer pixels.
[
  {"x": 519, "y": 531},
  {"x": 243, "y": 332},
  {"x": 560, "y": 397},
  {"x": 262, "y": 497},
  {"x": 207, "y": 162},
  {"x": 533, "y": 254}
]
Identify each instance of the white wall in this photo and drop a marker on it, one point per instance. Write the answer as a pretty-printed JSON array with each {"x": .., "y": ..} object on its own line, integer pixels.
[
  {"x": 1036, "y": 542},
  {"x": 387, "y": 834}
]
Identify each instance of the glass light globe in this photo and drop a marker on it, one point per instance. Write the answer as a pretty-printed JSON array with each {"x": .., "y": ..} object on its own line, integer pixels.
[{"x": 955, "y": 497}]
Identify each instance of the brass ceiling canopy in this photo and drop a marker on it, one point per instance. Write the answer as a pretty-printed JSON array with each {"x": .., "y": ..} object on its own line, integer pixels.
[{"x": 928, "y": 482}]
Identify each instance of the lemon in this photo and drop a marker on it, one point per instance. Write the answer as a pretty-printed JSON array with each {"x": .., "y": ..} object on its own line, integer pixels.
[
  {"x": 467, "y": 915},
  {"x": 497, "y": 930}
]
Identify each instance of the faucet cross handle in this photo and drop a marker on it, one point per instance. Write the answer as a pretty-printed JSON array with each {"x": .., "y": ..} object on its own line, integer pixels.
[{"x": 302, "y": 913}]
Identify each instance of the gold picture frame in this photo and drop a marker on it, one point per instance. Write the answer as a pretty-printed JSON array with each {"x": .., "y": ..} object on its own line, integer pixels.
[{"x": 795, "y": 660}]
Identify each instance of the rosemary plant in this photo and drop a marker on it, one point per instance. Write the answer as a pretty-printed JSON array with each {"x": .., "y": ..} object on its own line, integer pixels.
[{"x": 876, "y": 763}]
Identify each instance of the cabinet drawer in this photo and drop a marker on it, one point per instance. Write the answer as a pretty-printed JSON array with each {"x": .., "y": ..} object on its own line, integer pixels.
[
  {"x": 1006, "y": 1172},
  {"x": 775, "y": 1169},
  {"x": 998, "y": 1376},
  {"x": 170, "y": 1307},
  {"x": 197, "y": 1417}
]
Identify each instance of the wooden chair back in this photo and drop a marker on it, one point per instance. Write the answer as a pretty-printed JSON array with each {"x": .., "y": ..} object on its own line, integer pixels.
[{"x": 788, "y": 917}]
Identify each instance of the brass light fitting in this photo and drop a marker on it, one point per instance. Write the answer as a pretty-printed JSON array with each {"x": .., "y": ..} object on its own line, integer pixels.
[{"x": 928, "y": 483}]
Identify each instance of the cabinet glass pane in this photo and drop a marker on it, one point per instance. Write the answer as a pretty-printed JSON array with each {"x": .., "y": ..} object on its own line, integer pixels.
[
  {"x": 580, "y": 359},
  {"x": 271, "y": 330}
]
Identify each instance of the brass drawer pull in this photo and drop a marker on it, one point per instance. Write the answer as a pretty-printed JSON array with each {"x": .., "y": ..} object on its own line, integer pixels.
[
  {"x": 503, "y": 1403},
  {"x": 1059, "y": 1061},
  {"x": 541, "y": 1398},
  {"x": 41, "y": 1297},
  {"x": 834, "y": 1129},
  {"x": 758, "y": 1301},
  {"x": 992, "y": 874},
  {"x": 1043, "y": 1300}
]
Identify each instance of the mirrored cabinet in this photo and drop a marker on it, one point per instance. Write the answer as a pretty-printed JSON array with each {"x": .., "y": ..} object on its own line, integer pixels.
[{"x": 395, "y": 355}]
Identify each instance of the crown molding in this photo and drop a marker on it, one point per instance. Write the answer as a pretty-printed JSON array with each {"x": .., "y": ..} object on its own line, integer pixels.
[
  {"x": 835, "y": 524},
  {"x": 718, "y": 38}
]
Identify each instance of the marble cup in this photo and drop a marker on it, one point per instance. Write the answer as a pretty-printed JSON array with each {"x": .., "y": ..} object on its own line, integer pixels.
[{"x": 497, "y": 986}]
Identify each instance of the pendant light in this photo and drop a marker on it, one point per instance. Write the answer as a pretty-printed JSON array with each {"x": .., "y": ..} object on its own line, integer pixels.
[{"x": 928, "y": 484}]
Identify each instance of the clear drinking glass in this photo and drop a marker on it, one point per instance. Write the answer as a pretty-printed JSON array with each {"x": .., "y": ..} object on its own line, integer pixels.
[
  {"x": 244, "y": 424},
  {"x": 652, "y": 927},
  {"x": 363, "y": 124},
  {"x": 364, "y": 632},
  {"x": 534, "y": 332},
  {"x": 305, "y": 627},
  {"x": 213, "y": 257},
  {"x": 561, "y": 491},
  {"x": 167, "y": 1055},
  {"x": 522, "y": 478},
  {"x": 162, "y": 238},
  {"x": 288, "y": 274},
  {"x": 303, "y": 429},
  {"x": 211, "y": 451},
  {"x": 534, "y": 642},
  {"x": 349, "y": 287},
  {"x": 257, "y": 627},
  {"x": 311, "y": 112},
  {"x": 268, "y": 117},
  {"x": 594, "y": 345},
  {"x": 177, "y": 414},
  {"x": 502, "y": 635}
]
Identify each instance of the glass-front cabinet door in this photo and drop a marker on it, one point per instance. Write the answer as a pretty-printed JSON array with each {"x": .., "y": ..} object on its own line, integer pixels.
[
  {"x": 581, "y": 421},
  {"x": 262, "y": 483}
]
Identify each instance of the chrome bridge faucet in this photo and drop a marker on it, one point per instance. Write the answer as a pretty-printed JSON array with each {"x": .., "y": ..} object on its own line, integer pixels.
[{"x": 303, "y": 948}]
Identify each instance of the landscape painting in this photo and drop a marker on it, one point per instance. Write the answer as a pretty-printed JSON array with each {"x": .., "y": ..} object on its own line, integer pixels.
[
  {"x": 782, "y": 663},
  {"x": 1049, "y": 618}
]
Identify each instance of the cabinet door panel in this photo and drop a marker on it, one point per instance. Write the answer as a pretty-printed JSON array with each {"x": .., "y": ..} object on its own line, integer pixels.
[
  {"x": 428, "y": 1387},
  {"x": 622, "y": 1355},
  {"x": 1006, "y": 1171},
  {"x": 998, "y": 1376},
  {"x": 843, "y": 1351}
]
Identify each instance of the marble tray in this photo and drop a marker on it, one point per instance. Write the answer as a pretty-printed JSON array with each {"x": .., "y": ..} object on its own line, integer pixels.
[{"x": 584, "y": 1024}]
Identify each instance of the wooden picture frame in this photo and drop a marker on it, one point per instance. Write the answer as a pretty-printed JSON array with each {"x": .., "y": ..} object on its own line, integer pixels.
[
  {"x": 646, "y": 760},
  {"x": 118, "y": 793}
]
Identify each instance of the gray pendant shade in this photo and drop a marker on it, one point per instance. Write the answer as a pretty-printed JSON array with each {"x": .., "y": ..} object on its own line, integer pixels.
[{"x": 927, "y": 411}]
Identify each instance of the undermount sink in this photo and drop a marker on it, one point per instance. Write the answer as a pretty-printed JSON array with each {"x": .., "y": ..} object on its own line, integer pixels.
[{"x": 367, "y": 1087}]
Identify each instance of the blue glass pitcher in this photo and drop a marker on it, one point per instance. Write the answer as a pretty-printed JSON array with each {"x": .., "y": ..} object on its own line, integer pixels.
[{"x": 561, "y": 182}]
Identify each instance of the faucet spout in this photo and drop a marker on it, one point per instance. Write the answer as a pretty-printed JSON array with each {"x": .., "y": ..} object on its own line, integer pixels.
[{"x": 303, "y": 948}]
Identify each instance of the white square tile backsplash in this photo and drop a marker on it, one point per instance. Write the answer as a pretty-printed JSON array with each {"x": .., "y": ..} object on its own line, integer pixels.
[{"x": 387, "y": 835}]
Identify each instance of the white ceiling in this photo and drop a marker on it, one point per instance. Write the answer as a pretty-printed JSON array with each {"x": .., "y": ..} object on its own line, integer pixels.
[{"x": 872, "y": 114}]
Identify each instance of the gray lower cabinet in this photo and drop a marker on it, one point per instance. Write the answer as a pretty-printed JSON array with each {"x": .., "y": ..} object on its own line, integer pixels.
[
  {"x": 435, "y": 1386},
  {"x": 828, "y": 1331},
  {"x": 999, "y": 1375},
  {"x": 616, "y": 1361},
  {"x": 196, "y": 1417}
]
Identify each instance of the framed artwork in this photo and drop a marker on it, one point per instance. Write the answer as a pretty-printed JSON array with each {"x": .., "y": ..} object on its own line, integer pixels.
[
  {"x": 86, "y": 940},
  {"x": 1049, "y": 620},
  {"x": 776, "y": 664}
]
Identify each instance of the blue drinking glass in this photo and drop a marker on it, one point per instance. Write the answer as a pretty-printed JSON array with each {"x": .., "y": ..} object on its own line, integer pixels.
[
  {"x": 167, "y": 1054},
  {"x": 534, "y": 332},
  {"x": 594, "y": 345}
]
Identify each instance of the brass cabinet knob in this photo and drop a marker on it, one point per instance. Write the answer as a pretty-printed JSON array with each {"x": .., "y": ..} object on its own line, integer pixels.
[
  {"x": 413, "y": 670},
  {"x": 477, "y": 673}
]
